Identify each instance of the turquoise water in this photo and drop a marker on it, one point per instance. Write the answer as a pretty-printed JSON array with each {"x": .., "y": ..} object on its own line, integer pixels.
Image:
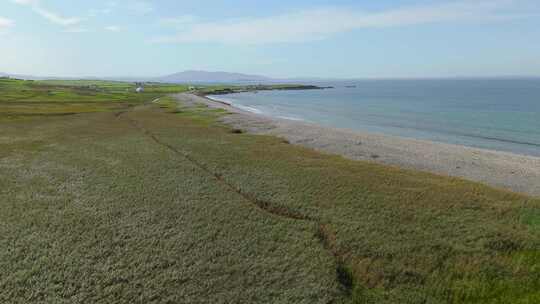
[{"x": 497, "y": 114}]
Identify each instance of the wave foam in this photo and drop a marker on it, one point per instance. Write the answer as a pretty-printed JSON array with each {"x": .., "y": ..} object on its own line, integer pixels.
[{"x": 248, "y": 109}]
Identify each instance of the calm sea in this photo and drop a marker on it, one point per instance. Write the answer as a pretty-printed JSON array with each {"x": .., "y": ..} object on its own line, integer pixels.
[{"x": 496, "y": 114}]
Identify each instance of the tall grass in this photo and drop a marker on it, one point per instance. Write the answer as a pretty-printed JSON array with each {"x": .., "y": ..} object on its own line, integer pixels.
[{"x": 163, "y": 204}]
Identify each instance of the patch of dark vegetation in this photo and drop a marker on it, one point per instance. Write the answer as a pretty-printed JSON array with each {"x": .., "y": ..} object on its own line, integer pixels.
[
  {"x": 344, "y": 273},
  {"x": 408, "y": 277},
  {"x": 345, "y": 277},
  {"x": 282, "y": 211},
  {"x": 224, "y": 90},
  {"x": 119, "y": 113},
  {"x": 237, "y": 131},
  {"x": 39, "y": 114},
  {"x": 504, "y": 245},
  {"x": 326, "y": 238}
]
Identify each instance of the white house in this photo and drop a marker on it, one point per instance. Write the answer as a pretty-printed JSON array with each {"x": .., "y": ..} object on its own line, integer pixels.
[{"x": 140, "y": 87}]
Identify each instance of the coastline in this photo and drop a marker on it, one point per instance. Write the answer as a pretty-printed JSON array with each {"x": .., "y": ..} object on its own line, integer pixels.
[
  {"x": 258, "y": 88},
  {"x": 517, "y": 173}
]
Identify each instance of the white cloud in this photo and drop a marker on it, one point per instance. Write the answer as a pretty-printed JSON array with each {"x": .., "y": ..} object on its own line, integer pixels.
[
  {"x": 6, "y": 23},
  {"x": 180, "y": 20},
  {"x": 107, "y": 10},
  {"x": 53, "y": 17},
  {"x": 321, "y": 23},
  {"x": 26, "y": 2},
  {"x": 140, "y": 7},
  {"x": 76, "y": 30},
  {"x": 98, "y": 12},
  {"x": 113, "y": 28}
]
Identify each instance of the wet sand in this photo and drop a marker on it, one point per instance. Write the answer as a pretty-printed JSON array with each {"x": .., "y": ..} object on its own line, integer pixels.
[{"x": 503, "y": 170}]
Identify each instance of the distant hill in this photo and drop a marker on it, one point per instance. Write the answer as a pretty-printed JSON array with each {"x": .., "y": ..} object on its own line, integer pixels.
[
  {"x": 33, "y": 77},
  {"x": 205, "y": 77},
  {"x": 211, "y": 77},
  {"x": 182, "y": 77},
  {"x": 27, "y": 77}
]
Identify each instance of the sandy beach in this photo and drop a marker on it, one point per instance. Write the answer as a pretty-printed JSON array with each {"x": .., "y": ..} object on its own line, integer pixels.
[{"x": 503, "y": 170}]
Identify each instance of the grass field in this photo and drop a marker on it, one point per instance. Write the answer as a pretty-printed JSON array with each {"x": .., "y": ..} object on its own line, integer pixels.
[
  {"x": 139, "y": 202},
  {"x": 20, "y": 99}
]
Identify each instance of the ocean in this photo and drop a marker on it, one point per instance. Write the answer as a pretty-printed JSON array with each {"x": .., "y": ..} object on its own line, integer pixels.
[{"x": 496, "y": 114}]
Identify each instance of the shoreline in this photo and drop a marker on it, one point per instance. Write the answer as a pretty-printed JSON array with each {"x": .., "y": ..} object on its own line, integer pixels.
[
  {"x": 219, "y": 99},
  {"x": 504, "y": 170}
]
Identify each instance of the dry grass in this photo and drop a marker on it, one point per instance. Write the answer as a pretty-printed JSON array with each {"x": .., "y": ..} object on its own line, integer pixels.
[{"x": 165, "y": 205}]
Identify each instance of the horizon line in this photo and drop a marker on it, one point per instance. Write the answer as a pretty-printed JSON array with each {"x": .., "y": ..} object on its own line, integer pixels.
[{"x": 271, "y": 78}]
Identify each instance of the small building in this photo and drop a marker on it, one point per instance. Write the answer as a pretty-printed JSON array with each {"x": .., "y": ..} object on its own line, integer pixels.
[{"x": 140, "y": 87}]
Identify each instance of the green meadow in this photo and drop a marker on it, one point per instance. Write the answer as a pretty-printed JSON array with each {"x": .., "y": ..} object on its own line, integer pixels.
[
  {"x": 109, "y": 197},
  {"x": 19, "y": 99}
]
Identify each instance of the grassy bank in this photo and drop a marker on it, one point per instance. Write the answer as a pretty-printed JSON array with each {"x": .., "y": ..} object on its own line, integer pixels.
[
  {"x": 228, "y": 89},
  {"x": 155, "y": 203}
]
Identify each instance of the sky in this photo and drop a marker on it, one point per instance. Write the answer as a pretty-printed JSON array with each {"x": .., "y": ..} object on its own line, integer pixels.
[{"x": 277, "y": 38}]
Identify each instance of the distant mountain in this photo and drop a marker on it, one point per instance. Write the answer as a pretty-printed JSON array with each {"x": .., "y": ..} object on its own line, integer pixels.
[{"x": 211, "y": 77}]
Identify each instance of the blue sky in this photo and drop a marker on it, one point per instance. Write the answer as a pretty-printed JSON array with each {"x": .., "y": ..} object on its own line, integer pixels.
[{"x": 304, "y": 38}]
